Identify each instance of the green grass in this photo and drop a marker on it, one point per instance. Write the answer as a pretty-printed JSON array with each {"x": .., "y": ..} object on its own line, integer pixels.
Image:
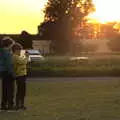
[
  {"x": 104, "y": 66},
  {"x": 80, "y": 100}
]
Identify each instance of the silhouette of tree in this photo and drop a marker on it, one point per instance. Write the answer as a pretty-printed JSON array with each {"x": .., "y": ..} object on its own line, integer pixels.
[
  {"x": 61, "y": 18},
  {"x": 108, "y": 31}
]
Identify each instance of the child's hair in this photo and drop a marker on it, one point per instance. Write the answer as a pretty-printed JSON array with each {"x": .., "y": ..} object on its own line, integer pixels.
[
  {"x": 16, "y": 46},
  {"x": 6, "y": 42}
]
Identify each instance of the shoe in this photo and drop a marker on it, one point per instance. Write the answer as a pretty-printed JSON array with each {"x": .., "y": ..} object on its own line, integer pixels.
[
  {"x": 16, "y": 108},
  {"x": 23, "y": 108},
  {"x": 3, "y": 109},
  {"x": 11, "y": 109}
]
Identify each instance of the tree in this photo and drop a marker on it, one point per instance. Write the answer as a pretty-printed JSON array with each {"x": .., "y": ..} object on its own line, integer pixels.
[
  {"x": 45, "y": 28},
  {"x": 108, "y": 31},
  {"x": 61, "y": 19},
  {"x": 25, "y": 39}
]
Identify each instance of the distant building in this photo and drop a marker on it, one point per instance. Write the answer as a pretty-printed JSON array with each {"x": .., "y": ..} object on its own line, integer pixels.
[
  {"x": 13, "y": 36},
  {"x": 42, "y": 45},
  {"x": 37, "y": 42}
]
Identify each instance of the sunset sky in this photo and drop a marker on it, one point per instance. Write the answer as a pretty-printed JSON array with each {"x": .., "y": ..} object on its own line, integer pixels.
[
  {"x": 106, "y": 10},
  {"x": 18, "y": 15}
]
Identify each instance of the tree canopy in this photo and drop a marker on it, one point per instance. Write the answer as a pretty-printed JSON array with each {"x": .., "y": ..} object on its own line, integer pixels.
[{"x": 60, "y": 20}]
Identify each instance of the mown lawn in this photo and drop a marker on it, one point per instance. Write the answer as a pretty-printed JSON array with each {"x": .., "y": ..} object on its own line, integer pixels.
[
  {"x": 69, "y": 100},
  {"x": 64, "y": 67}
]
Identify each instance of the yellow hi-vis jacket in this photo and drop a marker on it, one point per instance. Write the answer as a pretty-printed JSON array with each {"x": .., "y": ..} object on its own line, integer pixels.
[{"x": 20, "y": 65}]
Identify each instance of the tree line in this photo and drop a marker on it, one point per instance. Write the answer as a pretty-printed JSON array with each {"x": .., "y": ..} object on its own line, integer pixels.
[{"x": 66, "y": 21}]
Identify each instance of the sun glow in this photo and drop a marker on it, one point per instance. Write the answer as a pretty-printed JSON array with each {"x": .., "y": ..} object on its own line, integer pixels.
[{"x": 106, "y": 11}]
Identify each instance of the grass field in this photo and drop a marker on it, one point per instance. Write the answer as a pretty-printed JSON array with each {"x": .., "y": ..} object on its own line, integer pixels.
[
  {"x": 69, "y": 100},
  {"x": 96, "y": 65}
]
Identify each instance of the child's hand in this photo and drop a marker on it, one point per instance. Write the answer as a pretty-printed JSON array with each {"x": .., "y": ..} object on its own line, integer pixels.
[{"x": 26, "y": 54}]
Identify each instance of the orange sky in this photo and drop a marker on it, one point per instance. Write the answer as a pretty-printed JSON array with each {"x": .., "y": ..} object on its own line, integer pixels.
[{"x": 18, "y": 15}]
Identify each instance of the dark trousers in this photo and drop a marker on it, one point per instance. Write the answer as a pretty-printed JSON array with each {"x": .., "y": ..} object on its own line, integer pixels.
[
  {"x": 7, "y": 90},
  {"x": 21, "y": 90}
]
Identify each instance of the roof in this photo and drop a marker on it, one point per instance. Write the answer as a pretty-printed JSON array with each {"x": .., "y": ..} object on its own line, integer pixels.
[{"x": 16, "y": 36}]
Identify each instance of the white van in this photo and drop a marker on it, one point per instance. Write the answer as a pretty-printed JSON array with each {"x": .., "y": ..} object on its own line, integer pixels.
[{"x": 33, "y": 55}]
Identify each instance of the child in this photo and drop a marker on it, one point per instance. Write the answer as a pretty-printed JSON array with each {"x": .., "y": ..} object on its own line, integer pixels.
[
  {"x": 7, "y": 73},
  {"x": 20, "y": 67}
]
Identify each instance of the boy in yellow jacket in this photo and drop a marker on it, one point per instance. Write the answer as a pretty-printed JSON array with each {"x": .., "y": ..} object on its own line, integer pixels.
[{"x": 20, "y": 68}]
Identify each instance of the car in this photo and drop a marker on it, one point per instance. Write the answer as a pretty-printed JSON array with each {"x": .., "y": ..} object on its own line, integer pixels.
[
  {"x": 33, "y": 55},
  {"x": 78, "y": 58},
  {"x": 81, "y": 59}
]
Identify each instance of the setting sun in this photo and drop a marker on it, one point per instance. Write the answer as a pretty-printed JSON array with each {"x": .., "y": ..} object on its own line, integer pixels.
[{"x": 106, "y": 10}]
